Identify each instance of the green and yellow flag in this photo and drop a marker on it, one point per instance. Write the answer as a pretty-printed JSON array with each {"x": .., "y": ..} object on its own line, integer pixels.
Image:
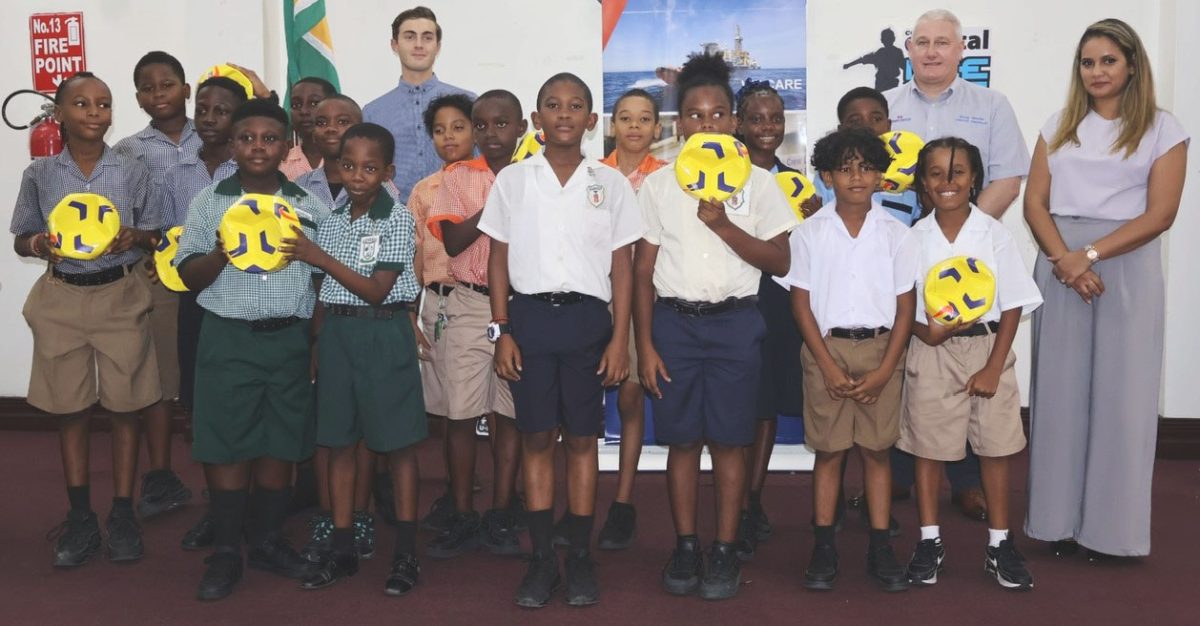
[{"x": 309, "y": 45}]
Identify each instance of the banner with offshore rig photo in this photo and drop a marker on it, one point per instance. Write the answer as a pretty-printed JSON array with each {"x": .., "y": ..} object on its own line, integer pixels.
[{"x": 646, "y": 42}]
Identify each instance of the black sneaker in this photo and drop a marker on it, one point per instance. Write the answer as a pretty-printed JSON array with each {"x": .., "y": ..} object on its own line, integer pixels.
[
  {"x": 759, "y": 522},
  {"x": 681, "y": 576},
  {"x": 200, "y": 536},
  {"x": 560, "y": 531},
  {"x": 335, "y": 567},
  {"x": 747, "y": 538},
  {"x": 223, "y": 573},
  {"x": 162, "y": 492},
  {"x": 582, "y": 588},
  {"x": 320, "y": 540},
  {"x": 385, "y": 497},
  {"x": 76, "y": 539},
  {"x": 926, "y": 562},
  {"x": 461, "y": 537},
  {"x": 1007, "y": 566},
  {"x": 274, "y": 554},
  {"x": 498, "y": 532},
  {"x": 885, "y": 569},
  {"x": 822, "y": 568},
  {"x": 406, "y": 570},
  {"x": 438, "y": 518},
  {"x": 722, "y": 572},
  {"x": 540, "y": 581},
  {"x": 364, "y": 534},
  {"x": 620, "y": 527},
  {"x": 124, "y": 537}
]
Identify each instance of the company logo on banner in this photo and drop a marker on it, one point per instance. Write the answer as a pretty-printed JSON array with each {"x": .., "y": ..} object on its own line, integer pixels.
[{"x": 892, "y": 64}]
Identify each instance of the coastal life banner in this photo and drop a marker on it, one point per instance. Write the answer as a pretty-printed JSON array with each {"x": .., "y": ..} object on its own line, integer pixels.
[{"x": 648, "y": 40}]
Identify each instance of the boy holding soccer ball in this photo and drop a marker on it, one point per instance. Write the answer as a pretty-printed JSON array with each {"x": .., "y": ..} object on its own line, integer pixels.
[{"x": 253, "y": 413}]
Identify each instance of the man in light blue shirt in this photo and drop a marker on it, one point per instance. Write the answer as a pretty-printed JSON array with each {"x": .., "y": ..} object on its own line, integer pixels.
[{"x": 416, "y": 39}]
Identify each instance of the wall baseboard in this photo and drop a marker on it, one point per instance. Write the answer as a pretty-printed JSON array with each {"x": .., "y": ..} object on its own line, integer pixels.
[{"x": 1178, "y": 438}]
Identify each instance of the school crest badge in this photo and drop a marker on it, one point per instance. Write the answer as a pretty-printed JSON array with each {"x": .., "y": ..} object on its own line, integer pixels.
[
  {"x": 595, "y": 195},
  {"x": 368, "y": 249}
]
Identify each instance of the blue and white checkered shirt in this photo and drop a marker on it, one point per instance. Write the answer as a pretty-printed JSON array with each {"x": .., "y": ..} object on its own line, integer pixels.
[
  {"x": 181, "y": 183},
  {"x": 156, "y": 151},
  {"x": 241, "y": 295},
  {"x": 124, "y": 181},
  {"x": 383, "y": 239},
  {"x": 402, "y": 111}
]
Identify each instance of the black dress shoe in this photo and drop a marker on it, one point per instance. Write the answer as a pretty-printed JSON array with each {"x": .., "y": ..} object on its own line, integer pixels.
[
  {"x": 1064, "y": 547},
  {"x": 76, "y": 539},
  {"x": 200, "y": 536},
  {"x": 275, "y": 555},
  {"x": 223, "y": 573},
  {"x": 405, "y": 572},
  {"x": 1095, "y": 556},
  {"x": 334, "y": 568}
]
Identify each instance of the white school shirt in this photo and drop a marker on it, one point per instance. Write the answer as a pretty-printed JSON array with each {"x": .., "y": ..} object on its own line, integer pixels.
[
  {"x": 561, "y": 237},
  {"x": 695, "y": 264},
  {"x": 852, "y": 282},
  {"x": 1090, "y": 180},
  {"x": 984, "y": 238}
]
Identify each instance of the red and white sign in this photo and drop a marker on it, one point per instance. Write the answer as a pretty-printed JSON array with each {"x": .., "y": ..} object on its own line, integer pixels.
[{"x": 56, "y": 48}]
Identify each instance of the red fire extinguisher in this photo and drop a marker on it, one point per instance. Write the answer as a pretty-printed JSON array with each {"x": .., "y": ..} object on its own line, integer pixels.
[{"x": 45, "y": 137}]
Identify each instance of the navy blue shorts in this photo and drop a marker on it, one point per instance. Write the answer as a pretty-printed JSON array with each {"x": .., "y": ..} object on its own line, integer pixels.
[
  {"x": 715, "y": 364},
  {"x": 781, "y": 391},
  {"x": 561, "y": 347}
]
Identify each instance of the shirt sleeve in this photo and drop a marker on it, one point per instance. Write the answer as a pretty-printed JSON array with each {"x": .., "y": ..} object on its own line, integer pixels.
[
  {"x": 1009, "y": 155},
  {"x": 496, "y": 216},
  {"x": 907, "y": 262},
  {"x": 648, "y": 202},
  {"x": 627, "y": 224},
  {"x": 399, "y": 244},
  {"x": 147, "y": 215},
  {"x": 1170, "y": 134},
  {"x": 199, "y": 230},
  {"x": 775, "y": 215},
  {"x": 1015, "y": 287},
  {"x": 446, "y": 205},
  {"x": 800, "y": 271},
  {"x": 27, "y": 215}
]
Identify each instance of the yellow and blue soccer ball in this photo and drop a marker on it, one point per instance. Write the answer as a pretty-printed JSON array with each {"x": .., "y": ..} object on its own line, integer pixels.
[
  {"x": 83, "y": 225},
  {"x": 796, "y": 188},
  {"x": 904, "y": 147},
  {"x": 228, "y": 71},
  {"x": 164, "y": 254},
  {"x": 959, "y": 291},
  {"x": 253, "y": 229},
  {"x": 712, "y": 166},
  {"x": 531, "y": 144}
]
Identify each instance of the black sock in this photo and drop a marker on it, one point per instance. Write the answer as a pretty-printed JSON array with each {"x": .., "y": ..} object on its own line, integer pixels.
[
  {"x": 80, "y": 498},
  {"x": 579, "y": 531},
  {"x": 228, "y": 509},
  {"x": 342, "y": 540},
  {"x": 824, "y": 535},
  {"x": 541, "y": 531},
  {"x": 406, "y": 538},
  {"x": 755, "y": 499},
  {"x": 879, "y": 538},
  {"x": 123, "y": 506},
  {"x": 268, "y": 509}
]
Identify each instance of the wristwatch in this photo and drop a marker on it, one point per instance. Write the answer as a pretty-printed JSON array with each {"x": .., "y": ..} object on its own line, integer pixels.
[
  {"x": 497, "y": 328},
  {"x": 1091, "y": 253}
]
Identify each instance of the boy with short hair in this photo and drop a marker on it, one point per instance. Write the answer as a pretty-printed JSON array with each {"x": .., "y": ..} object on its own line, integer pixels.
[
  {"x": 253, "y": 413},
  {"x": 851, "y": 280}
]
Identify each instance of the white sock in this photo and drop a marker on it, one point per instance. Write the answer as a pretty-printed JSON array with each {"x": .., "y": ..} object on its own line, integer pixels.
[
  {"x": 931, "y": 532},
  {"x": 996, "y": 536}
]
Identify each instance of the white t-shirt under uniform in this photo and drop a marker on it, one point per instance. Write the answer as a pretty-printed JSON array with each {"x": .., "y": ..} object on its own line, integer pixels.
[
  {"x": 561, "y": 237},
  {"x": 1090, "y": 180},
  {"x": 852, "y": 282},
  {"x": 986, "y": 239}
]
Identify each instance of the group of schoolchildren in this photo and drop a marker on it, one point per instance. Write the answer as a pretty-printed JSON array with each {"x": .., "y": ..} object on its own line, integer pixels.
[{"x": 519, "y": 292}]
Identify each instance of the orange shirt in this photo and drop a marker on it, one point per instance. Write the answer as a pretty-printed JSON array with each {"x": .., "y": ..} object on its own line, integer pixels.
[
  {"x": 464, "y": 191},
  {"x": 637, "y": 176},
  {"x": 295, "y": 164},
  {"x": 432, "y": 263}
]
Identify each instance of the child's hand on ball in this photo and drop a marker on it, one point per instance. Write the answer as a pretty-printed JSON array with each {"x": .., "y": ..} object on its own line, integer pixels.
[
  {"x": 301, "y": 248},
  {"x": 122, "y": 242}
]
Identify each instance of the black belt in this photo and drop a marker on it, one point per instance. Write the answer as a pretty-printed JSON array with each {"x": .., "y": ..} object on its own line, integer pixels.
[
  {"x": 981, "y": 329},
  {"x": 271, "y": 323},
  {"x": 440, "y": 289},
  {"x": 93, "y": 279},
  {"x": 476, "y": 288},
  {"x": 858, "y": 334},
  {"x": 381, "y": 312},
  {"x": 698, "y": 309},
  {"x": 559, "y": 298}
]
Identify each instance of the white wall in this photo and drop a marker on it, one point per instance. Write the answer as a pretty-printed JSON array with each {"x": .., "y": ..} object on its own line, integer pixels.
[{"x": 518, "y": 49}]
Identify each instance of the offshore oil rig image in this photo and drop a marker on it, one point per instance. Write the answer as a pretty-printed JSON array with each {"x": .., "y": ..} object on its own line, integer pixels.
[{"x": 737, "y": 58}]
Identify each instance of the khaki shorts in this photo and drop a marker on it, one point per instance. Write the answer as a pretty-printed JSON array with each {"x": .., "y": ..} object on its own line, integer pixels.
[
  {"x": 471, "y": 385},
  {"x": 91, "y": 343},
  {"x": 433, "y": 371},
  {"x": 940, "y": 418},
  {"x": 164, "y": 327},
  {"x": 835, "y": 424}
]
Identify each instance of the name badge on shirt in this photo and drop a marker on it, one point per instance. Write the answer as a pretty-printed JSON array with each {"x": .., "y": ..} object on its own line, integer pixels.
[
  {"x": 368, "y": 249},
  {"x": 595, "y": 195},
  {"x": 736, "y": 204}
]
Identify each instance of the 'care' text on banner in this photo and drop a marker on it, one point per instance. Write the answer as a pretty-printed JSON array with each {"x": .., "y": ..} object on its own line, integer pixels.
[{"x": 56, "y": 48}]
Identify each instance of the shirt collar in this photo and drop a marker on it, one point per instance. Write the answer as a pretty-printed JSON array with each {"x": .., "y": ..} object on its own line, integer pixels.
[
  {"x": 478, "y": 163},
  {"x": 232, "y": 186},
  {"x": 108, "y": 158},
  {"x": 381, "y": 208},
  {"x": 945, "y": 95},
  {"x": 977, "y": 220},
  {"x": 648, "y": 165},
  {"x": 150, "y": 132},
  {"x": 428, "y": 84}
]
